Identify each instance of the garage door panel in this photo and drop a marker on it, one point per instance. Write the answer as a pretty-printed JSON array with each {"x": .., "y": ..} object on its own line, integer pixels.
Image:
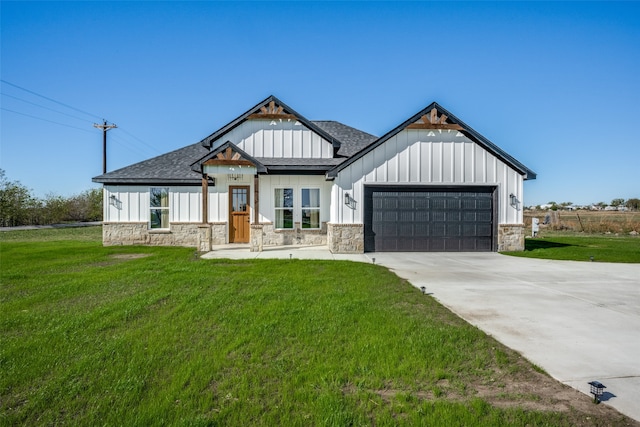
[
  {"x": 420, "y": 219},
  {"x": 406, "y": 231},
  {"x": 389, "y": 229},
  {"x": 453, "y": 216},
  {"x": 390, "y": 216},
  {"x": 484, "y": 230}
]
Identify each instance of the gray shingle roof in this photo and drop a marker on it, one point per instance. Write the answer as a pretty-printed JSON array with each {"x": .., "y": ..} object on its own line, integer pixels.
[
  {"x": 278, "y": 165},
  {"x": 175, "y": 167},
  {"x": 353, "y": 140},
  {"x": 170, "y": 168}
]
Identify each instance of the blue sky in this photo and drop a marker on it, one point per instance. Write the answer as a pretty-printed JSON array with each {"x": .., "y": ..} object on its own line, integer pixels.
[{"x": 554, "y": 84}]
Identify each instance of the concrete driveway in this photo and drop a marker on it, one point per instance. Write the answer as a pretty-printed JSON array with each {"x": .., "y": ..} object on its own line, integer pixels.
[{"x": 579, "y": 321}]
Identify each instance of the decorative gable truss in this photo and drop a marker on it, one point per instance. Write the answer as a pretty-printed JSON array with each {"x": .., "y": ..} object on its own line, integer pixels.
[
  {"x": 228, "y": 158},
  {"x": 433, "y": 121},
  {"x": 274, "y": 112}
]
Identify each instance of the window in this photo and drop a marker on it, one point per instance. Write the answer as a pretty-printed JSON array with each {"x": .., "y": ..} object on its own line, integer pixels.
[
  {"x": 284, "y": 207},
  {"x": 159, "y": 202},
  {"x": 310, "y": 208},
  {"x": 290, "y": 209}
]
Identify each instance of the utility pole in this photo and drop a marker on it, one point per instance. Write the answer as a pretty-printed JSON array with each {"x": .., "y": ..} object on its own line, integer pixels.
[{"x": 105, "y": 127}]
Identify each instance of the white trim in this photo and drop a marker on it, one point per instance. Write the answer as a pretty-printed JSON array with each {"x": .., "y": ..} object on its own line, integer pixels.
[{"x": 167, "y": 208}]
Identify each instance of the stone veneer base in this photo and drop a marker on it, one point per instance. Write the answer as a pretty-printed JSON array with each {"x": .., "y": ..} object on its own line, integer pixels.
[
  {"x": 200, "y": 236},
  {"x": 340, "y": 238},
  {"x": 510, "y": 237},
  {"x": 345, "y": 238}
]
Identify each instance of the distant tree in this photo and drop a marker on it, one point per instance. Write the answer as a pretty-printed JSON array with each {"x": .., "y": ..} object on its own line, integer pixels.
[
  {"x": 86, "y": 206},
  {"x": 617, "y": 202},
  {"x": 19, "y": 207},
  {"x": 16, "y": 203},
  {"x": 633, "y": 204},
  {"x": 55, "y": 209},
  {"x": 601, "y": 204}
]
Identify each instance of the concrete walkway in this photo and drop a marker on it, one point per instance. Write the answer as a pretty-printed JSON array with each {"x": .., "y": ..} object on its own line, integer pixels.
[
  {"x": 241, "y": 251},
  {"x": 579, "y": 321}
]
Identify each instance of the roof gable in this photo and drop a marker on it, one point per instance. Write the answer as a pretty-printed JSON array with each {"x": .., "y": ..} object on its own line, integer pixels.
[
  {"x": 434, "y": 116},
  {"x": 270, "y": 108},
  {"x": 227, "y": 154}
]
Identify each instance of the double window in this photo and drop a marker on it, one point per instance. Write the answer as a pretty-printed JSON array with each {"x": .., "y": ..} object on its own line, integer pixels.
[
  {"x": 307, "y": 208},
  {"x": 159, "y": 205}
]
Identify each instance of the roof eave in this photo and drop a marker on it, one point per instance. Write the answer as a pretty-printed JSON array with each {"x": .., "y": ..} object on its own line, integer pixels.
[{"x": 143, "y": 181}]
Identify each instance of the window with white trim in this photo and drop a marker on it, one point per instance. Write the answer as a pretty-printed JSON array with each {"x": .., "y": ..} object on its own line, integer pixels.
[
  {"x": 310, "y": 208},
  {"x": 159, "y": 207},
  {"x": 284, "y": 207}
]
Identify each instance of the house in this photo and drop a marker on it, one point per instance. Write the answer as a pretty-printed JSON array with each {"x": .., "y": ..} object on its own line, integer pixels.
[{"x": 273, "y": 177}]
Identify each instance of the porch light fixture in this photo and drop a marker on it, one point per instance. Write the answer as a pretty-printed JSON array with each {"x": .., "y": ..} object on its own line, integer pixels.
[
  {"x": 211, "y": 180},
  {"x": 113, "y": 201},
  {"x": 596, "y": 390},
  {"x": 514, "y": 202},
  {"x": 349, "y": 201}
]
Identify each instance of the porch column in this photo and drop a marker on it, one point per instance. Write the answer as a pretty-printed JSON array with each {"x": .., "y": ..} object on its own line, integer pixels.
[
  {"x": 256, "y": 235},
  {"x": 205, "y": 199},
  {"x": 256, "y": 200}
]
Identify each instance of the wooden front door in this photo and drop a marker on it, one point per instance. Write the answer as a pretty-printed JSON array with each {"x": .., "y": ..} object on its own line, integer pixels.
[{"x": 239, "y": 214}]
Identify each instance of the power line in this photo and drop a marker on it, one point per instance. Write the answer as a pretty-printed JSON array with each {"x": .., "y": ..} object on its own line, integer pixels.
[
  {"x": 50, "y": 99},
  {"x": 44, "y": 120},
  {"x": 129, "y": 146},
  {"x": 46, "y": 108},
  {"x": 154, "y": 149}
]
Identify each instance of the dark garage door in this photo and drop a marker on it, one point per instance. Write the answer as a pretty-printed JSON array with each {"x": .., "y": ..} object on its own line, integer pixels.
[{"x": 403, "y": 219}]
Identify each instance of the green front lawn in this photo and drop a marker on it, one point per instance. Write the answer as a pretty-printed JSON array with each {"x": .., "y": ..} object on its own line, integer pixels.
[
  {"x": 143, "y": 336},
  {"x": 599, "y": 248}
]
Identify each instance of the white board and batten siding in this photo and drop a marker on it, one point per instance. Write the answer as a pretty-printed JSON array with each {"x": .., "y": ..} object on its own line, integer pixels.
[
  {"x": 269, "y": 183},
  {"x": 426, "y": 157},
  {"x": 279, "y": 138},
  {"x": 131, "y": 203}
]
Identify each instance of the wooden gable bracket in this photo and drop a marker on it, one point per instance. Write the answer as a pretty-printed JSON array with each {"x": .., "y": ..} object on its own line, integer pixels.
[
  {"x": 271, "y": 112},
  {"x": 228, "y": 157},
  {"x": 432, "y": 121}
]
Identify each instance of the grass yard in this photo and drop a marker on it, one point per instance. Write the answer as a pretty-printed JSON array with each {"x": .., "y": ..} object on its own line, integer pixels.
[
  {"x": 144, "y": 336},
  {"x": 582, "y": 248}
]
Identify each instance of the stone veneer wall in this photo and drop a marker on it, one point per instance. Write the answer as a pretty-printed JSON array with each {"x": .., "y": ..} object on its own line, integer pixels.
[
  {"x": 510, "y": 237},
  {"x": 345, "y": 238},
  {"x": 200, "y": 236},
  {"x": 256, "y": 241},
  {"x": 296, "y": 236},
  {"x": 218, "y": 233}
]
